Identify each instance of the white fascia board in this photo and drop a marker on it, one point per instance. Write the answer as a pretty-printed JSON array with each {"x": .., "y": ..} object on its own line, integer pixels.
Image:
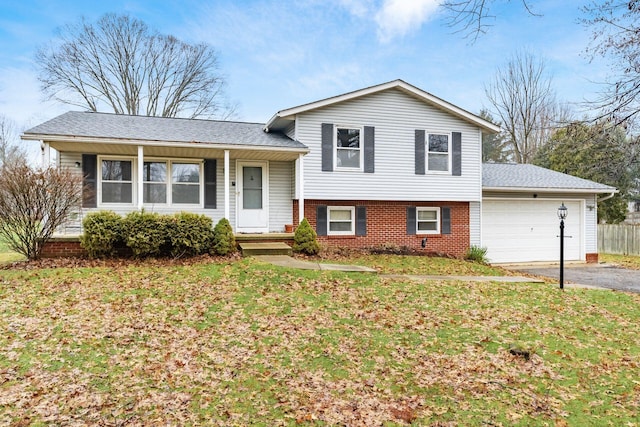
[
  {"x": 551, "y": 190},
  {"x": 400, "y": 84},
  {"x": 65, "y": 138}
]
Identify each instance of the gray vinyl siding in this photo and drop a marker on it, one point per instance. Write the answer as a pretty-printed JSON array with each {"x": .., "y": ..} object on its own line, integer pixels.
[
  {"x": 395, "y": 116},
  {"x": 290, "y": 131},
  {"x": 281, "y": 189}
]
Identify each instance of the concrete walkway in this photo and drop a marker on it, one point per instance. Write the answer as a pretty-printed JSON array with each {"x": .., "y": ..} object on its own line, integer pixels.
[{"x": 287, "y": 261}]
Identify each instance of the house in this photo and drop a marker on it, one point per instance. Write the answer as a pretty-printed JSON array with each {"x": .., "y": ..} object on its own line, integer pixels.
[
  {"x": 633, "y": 211},
  {"x": 387, "y": 164}
]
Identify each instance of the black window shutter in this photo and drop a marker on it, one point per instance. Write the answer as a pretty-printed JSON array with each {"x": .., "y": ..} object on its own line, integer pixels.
[
  {"x": 327, "y": 147},
  {"x": 321, "y": 220},
  {"x": 89, "y": 181},
  {"x": 446, "y": 220},
  {"x": 456, "y": 145},
  {"x": 420, "y": 154},
  {"x": 411, "y": 220},
  {"x": 210, "y": 178},
  {"x": 361, "y": 220},
  {"x": 369, "y": 149}
]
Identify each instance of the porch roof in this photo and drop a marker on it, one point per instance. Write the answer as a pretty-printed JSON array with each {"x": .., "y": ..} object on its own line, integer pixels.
[{"x": 92, "y": 127}]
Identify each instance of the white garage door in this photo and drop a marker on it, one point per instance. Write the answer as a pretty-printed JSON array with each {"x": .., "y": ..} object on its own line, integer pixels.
[{"x": 528, "y": 230}]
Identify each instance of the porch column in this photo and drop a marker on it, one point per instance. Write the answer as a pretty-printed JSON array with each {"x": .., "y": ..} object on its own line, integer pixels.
[
  {"x": 300, "y": 188},
  {"x": 46, "y": 155},
  {"x": 226, "y": 184},
  {"x": 140, "y": 176}
]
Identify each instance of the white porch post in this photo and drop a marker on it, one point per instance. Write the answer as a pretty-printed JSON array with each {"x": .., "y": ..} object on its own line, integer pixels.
[
  {"x": 46, "y": 155},
  {"x": 300, "y": 188},
  {"x": 140, "y": 176},
  {"x": 226, "y": 184}
]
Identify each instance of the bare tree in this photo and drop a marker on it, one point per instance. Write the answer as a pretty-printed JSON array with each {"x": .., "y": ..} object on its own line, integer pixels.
[
  {"x": 120, "y": 64},
  {"x": 10, "y": 151},
  {"x": 34, "y": 203},
  {"x": 616, "y": 36},
  {"x": 474, "y": 17},
  {"x": 525, "y": 104}
]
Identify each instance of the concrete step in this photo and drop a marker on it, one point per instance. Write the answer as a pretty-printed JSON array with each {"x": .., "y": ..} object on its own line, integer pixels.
[{"x": 264, "y": 248}]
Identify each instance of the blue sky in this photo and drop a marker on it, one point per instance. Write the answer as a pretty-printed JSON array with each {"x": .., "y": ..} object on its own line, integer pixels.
[{"x": 279, "y": 54}]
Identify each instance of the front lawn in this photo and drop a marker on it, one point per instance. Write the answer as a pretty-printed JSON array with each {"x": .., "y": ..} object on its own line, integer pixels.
[
  {"x": 245, "y": 343},
  {"x": 627, "y": 261},
  {"x": 7, "y": 255}
]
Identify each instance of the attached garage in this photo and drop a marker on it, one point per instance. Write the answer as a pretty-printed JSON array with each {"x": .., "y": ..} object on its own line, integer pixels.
[
  {"x": 526, "y": 230},
  {"x": 519, "y": 221}
]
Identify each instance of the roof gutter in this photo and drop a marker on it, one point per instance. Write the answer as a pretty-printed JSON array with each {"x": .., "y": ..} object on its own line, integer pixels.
[
  {"x": 552, "y": 190},
  {"x": 174, "y": 144},
  {"x": 602, "y": 199}
]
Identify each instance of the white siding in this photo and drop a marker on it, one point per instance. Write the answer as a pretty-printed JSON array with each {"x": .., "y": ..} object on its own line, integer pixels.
[
  {"x": 280, "y": 196},
  {"x": 395, "y": 116},
  {"x": 591, "y": 225},
  {"x": 475, "y": 238}
]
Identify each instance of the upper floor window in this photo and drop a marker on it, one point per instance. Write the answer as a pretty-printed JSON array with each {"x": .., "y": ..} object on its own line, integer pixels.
[
  {"x": 117, "y": 181},
  {"x": 348, "y": 148},
  {"x": 438, "y": 152}
]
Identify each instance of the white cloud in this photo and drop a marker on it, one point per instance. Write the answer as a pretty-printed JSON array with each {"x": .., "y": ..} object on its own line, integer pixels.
[
  {"x": 359, "y": 8},
  {"x": 396, "y": 18}
]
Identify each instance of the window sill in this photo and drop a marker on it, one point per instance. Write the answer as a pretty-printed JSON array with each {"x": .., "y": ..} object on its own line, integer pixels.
[{"x": 341, "y": 236}]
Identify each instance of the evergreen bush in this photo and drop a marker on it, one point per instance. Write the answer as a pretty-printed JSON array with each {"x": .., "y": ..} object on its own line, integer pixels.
[
  {"x": 146, "y": 233},
  {"x": 103, "y": 233},
  {"x": 224, "y": 241},
  {"x": 305, "y": 239},
  {"x": 189, "y": 234},
  {"x": 477, "y": 254}
]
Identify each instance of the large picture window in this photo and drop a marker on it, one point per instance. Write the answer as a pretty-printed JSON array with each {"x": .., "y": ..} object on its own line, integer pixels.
[
  {"x": 438, "y": 152},
  {"x": 341, "y": 220},
  {"x": 348, "y": 148},
  {"x": 117, "y": 181},
  {"x": 164, "y": 182}
]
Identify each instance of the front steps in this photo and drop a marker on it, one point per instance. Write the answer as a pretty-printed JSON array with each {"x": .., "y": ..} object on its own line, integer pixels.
[{"x": 264, "y": 248}]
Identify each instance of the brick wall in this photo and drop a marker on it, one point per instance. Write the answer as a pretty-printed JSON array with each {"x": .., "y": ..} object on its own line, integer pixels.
[
  {"x": 58, "y": 247},
  {"x": 387, "y": 224},
  {"x": 592, "y": 258}
]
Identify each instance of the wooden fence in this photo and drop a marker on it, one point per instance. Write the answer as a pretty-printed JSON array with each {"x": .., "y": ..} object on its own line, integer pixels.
[{"x": 619, "y": 239}]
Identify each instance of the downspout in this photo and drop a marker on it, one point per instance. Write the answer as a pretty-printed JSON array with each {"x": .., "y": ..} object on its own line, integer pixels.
[{"x": 607, "y": 197}]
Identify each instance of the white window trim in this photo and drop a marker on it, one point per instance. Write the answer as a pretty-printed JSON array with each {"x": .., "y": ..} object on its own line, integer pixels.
[
  {"x": 168, "y": 182},
  {"x": 335, "y": 148},
  {"x": 437, "y": 221},
  {"x": 449, "y": 154},
  {"x": 352, "y": 209},
  {"x": 134, "y": 188}
]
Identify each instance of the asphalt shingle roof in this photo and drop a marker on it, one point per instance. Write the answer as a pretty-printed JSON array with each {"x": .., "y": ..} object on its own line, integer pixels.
[
  {"x": 144, "y": 128},
  {"x": 512, "y": 175}
]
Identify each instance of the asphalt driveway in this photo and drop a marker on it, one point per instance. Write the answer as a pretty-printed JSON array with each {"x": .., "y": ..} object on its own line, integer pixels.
[{"x": 602, "y": 275}]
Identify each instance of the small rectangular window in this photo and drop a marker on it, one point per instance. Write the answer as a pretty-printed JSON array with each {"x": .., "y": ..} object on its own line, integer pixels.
[
  {"x": 438, "y": 152},
  {"x": 428, "y": 220},
  {"x": 117, "y": 184},
  {"x": 348, "y": 148},
  {"x": 341, "y": 220}
]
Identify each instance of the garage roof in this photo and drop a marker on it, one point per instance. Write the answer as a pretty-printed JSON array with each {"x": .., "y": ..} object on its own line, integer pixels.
[{"x": 518, "y": 177}]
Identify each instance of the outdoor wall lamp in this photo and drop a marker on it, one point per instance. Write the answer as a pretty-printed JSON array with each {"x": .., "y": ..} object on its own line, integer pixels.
[
  {"x": 562, "y": 214},
  {"x": 78, "y": 164}
]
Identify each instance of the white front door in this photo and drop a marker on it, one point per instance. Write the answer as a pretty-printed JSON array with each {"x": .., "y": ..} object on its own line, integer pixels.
[{"x": 252, "y": 183}]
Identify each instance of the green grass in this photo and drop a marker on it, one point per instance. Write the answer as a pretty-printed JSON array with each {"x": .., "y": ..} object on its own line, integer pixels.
[
  {"x": 7, "y": 255},
  {"x": 628, "y": 261},
  {"x": 246, "y": 343}
]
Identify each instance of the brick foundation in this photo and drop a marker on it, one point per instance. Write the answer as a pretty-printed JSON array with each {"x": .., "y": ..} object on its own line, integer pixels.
[
  {"x": 592, "y": 258},
  {"x": 387, "y": 224},
  {"x": 58, "y": 247}
]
